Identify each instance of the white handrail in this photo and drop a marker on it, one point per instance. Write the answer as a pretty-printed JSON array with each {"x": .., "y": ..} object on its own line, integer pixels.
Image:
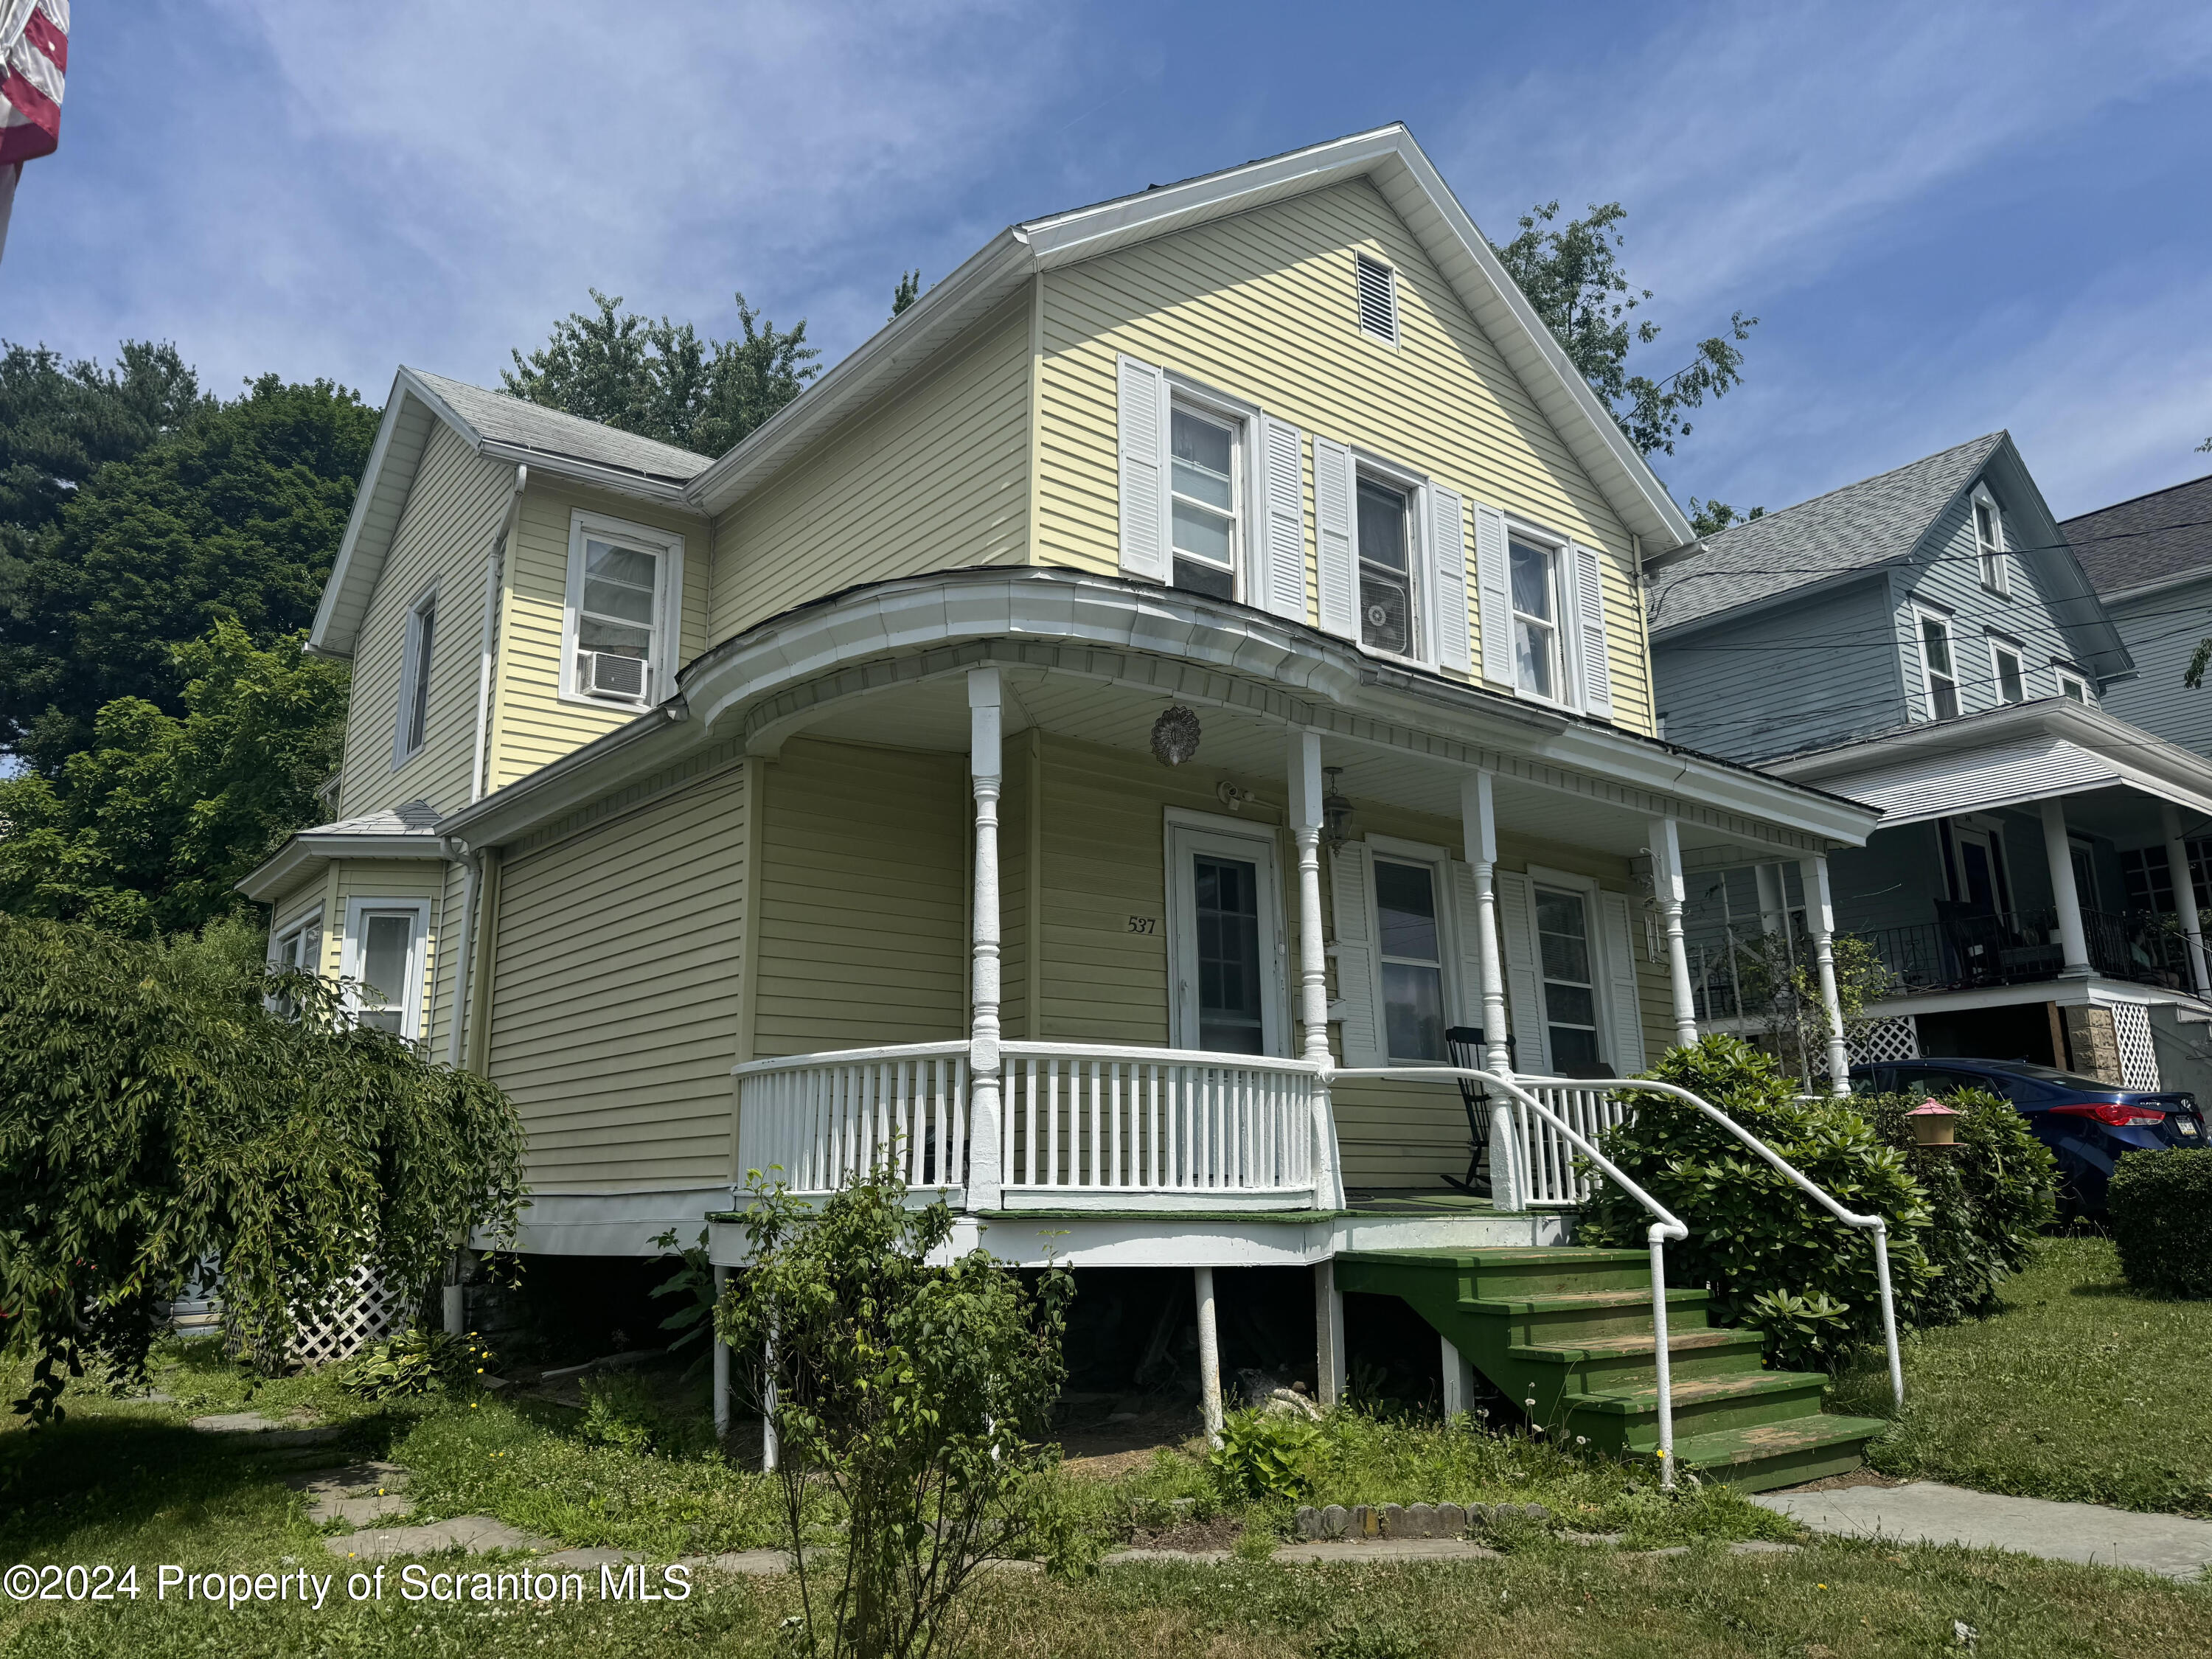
[
  {"x": 1664, "y": 1227},
  {"x": 1873, "y": 1224}
]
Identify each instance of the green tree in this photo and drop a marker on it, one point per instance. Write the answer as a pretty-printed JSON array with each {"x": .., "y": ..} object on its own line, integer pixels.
[
  {"x": 237, "y": 514},
  {"x": 910, "y": 1393},
  {"x": 61, "y": 422},
  {"x": 147, "y": 828},
  {"x": 909, "y": 290},
  {"x": 662, "y": 380},
  {"x": 1711, "y": 517},
  {"x": 1573, "y": 275},
  {"x": 152, "y": 1114}
]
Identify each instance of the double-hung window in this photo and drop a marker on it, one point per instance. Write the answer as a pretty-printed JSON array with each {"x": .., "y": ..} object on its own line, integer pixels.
[
  {"x": 383, "y": 959},
  {"x": 624, "y": 581},
  {"x": 1939, "y": 678},
  {"x": 1563, "y": 945},
  {"x": 1207, "y": 502},
  {"x": 2012, "y": 685},
  {"x": 415, "y": 678},
  {"x": 297, "y": 948},
  {"x": 1383, "y": 515},
  {"x": 1535, "y": 578},
  {"x": 1988, "y": 543},
  {"x": 2071, "y": 688},
  {"x": 1413, "y": 961}
]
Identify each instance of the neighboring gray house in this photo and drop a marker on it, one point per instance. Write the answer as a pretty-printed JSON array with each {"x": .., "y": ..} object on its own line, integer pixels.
[
  {"x": 1926, "y": 642},
  {"x": 2150, "y": 559}
]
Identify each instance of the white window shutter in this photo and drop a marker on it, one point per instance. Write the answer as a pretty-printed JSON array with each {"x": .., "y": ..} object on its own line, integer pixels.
[
  {"x": 1354, "y": 1011},
  {"x": 1338, "y": 556},
  {"x": 1590, "y": 648},
  {"x": 1524, "y": 985},
  {"x": 1447, "y": 557},
  {"x": 1494, "y": 595},
  {"x": 1283, "y": 518},
  {"x": 1143, "y": 393},
  {"x": 1624, "y": 1007},
  {"x": 1466, "y": 904}
]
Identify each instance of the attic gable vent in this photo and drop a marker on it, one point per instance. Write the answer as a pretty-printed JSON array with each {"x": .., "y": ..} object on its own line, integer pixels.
[{"x": 1378, "y": 300}]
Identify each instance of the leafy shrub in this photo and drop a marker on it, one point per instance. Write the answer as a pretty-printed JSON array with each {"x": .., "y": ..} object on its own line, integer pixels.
[
  {"x": 1801, "y": 1331},
  {"x": 622, "y": 1411},
  {"x": 414, "y": 1361},
  {"x": 2161, "y": 1206},
  {"x": 1265, "y": 1454},
  {"x": 1752, "y": 1232},
  {"x": 1988, "y": 1198}
]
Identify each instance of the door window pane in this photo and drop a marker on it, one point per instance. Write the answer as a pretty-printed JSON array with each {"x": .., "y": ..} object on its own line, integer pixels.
[
  {"x": 1229, "y": 1001},
  {"x": 1570, "y": 990},
  {"x": 387, "y": 944},
  {"x": 1413, "y": 961},
  {"x": 1386, "y": 582},
  {"x": 1204, "y": 507}
]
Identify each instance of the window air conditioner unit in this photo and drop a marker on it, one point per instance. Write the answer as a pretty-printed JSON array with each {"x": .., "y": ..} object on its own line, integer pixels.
[{"x": 603, "y": 674}]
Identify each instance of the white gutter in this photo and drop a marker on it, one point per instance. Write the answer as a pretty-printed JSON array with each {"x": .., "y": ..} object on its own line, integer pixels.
[
  {"x": 487, "y": 647},
  {"x": 471, "y": 862}
]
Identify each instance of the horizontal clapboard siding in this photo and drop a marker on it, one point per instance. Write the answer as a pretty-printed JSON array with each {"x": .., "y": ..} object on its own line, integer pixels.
[
  {"x": 412, "y": 879},
  {"x": 863, "y": 915},
  {"x": 615, "y": 1001},
  {"x": 932, "y": 479},
  {"x": 444, "y": 537},
  {"x": 2162, "y": 631},
  {"x": 532, "y": 726},
  {"x": 1261, "y": 306}
]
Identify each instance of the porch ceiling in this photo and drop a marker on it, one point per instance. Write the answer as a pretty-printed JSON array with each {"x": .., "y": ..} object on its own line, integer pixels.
[{"x": 1252, "y": 749}]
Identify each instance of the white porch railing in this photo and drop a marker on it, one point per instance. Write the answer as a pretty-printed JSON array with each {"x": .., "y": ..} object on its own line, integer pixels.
[
  {"x": 1085, "y": 1123},
  {"x": 821, "y": 1118},
  {"x": 1549, "y": 1175}
]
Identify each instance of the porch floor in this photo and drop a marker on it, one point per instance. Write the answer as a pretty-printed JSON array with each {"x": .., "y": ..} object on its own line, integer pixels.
[{"x": 1435, "y": 1203}]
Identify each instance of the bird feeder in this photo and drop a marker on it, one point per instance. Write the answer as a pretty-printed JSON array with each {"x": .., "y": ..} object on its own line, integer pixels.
[{"x": 1933, "y": 1125}]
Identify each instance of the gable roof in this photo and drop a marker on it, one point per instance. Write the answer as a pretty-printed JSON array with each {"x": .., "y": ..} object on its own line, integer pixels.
[
  {"x": 1876, "y": 521},
  {"x": 2146, "y": 541},
  {"x": 499, "y": 427},
  {"x": 1387, "y": 157}
]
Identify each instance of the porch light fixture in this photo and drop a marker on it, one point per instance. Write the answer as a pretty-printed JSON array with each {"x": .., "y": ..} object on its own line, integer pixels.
[
  {"x": 1175, "y": 736},
  {"x": 1335, "y": 809},
  {"x": 1933, "y": 1125}
]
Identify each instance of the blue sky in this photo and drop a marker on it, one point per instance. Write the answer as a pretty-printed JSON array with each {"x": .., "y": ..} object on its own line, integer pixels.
[{"x": 1949, "y": 218}]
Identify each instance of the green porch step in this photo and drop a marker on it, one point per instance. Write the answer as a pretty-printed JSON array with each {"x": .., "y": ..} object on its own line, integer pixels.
[{"x": 1570, "y": 1328}]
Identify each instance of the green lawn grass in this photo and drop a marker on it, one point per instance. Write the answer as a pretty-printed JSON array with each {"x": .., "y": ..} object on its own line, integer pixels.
[{"x": 2079, "y": 1389}]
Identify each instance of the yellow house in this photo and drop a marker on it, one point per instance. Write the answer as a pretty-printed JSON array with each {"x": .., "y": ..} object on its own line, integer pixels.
[{"x": 1195, "y": 652}]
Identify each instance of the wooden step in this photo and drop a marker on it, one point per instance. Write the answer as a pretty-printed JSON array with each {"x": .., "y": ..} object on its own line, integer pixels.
[
  {"x": 1785, "y": 1454},
  {"x": 1702, "y": 1405}
]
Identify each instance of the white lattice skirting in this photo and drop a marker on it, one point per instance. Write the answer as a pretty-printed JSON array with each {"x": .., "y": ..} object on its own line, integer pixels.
[
  {"x": 1878, "y": 1041},
  {"x": 368, "y": 1311},
  {"x": 2138, "y": 1059}
]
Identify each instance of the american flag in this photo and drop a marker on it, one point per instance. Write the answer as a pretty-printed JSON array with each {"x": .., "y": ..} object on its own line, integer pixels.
[{"x": 34, "y": 54}]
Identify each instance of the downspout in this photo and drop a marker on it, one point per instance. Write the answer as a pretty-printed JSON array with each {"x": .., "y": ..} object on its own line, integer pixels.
[
  {"x": 488, "y": 646},
  {"x": 471, "y": 863}
]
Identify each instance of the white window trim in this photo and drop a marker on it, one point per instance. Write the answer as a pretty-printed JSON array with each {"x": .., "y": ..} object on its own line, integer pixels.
[
  {"x": 2068, "y": 675},
  {"x": 1397, "y": 310},
  {"x": 2001, "y": 563},
  {"x": 1394, "y": 476},
  {"x": 1188, "y": 831},
  {"x": 291, "y": 928},
  {"x": 1608, "y": 1039},
  {"x": 1922, "y": 616},
  {"x": 668, "y": 605},
  {"x": 358, "y": 910},
  {"x": 1569, "y": 678},
  {"x": 1438, "y": 859},
  {"x": 414, "y": 675},
  {"x": 2006, "y": 647},
  {"x": 1245, "y": 417}
]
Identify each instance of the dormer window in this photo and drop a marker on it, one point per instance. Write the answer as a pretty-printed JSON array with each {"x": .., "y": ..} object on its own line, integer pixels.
[
  {"x": 1988, "y": 543},
  {"x": 624, "y": 581}
]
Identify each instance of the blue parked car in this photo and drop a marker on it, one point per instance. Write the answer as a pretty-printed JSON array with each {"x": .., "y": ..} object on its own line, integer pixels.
[{"x": 2088, "y": 1126}]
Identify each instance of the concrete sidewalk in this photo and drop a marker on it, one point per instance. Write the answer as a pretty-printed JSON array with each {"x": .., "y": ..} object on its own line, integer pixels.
[{"x": 1929, "y": 1512}]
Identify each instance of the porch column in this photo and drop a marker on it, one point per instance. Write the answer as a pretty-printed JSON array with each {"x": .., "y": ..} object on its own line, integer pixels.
[
  {"x": 984, "y": 766},
  {"x": 721, "y": 1359},
  {"x": 2058, "y": 853},
  {"x": 1773, "y": 899},
  {"x": 2184, "y": 898},
  {"x": 1330, "y": 1365},
  {"x": 1820, "y": 919},
  {"x": 1209, "y": 1351},
  {"x": 1478, "y": 823},
  {"x": 1459, "y": 1380},
  {"x": 1667, "y": 887},
  {"x": 1305, "y": 793}
]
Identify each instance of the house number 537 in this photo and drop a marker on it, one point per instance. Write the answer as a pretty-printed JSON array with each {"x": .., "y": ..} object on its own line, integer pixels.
[{"x": 1143, "y": 924}]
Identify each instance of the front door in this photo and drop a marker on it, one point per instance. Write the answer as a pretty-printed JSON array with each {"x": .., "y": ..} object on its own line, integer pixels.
[{"x": 1224, "y": 906}]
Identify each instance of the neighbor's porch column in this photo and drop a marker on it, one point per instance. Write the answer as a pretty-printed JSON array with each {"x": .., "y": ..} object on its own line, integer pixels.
[
  {"x": 1305, "y": 791},
  {"x": 2184, "y": 898},
  {"x": 1478, "y": 825},
  {"x": 1820, "y": 920},
  {"x": 2058, "y": 853},
  {"x": 1666, "y": 887},
  {"x": 985, "y": 730}
]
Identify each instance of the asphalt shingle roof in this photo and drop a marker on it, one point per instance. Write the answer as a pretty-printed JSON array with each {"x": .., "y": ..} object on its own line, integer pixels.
[
  {"x": 415, "y": 817},
  {"x": 530, "y": 426},
  {"x": 2166, "y": 533},
  {"x": 1854, "y": 528}
]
